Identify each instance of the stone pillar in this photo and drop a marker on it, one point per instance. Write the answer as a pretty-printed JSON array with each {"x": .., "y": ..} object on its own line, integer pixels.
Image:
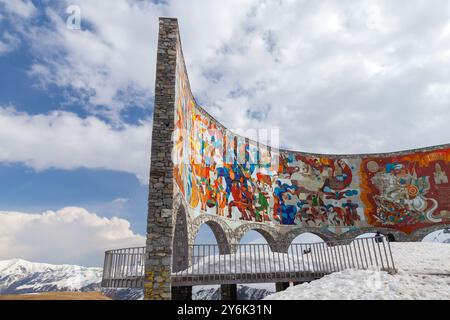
[
  {"x": 281, "y": 286},
  {"x": 182, "y": 293},
  {"x": 228, "y": 291},
  {"x": 157, "y": 283}
]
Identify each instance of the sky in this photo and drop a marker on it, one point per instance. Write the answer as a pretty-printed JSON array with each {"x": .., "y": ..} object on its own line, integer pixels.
[{"x": 76, "y": 104}]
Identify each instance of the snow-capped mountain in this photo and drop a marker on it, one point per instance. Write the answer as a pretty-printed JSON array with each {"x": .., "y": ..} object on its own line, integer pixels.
[
  {"x": 19, "y": 276},
  {"x": 252, "y": 293},
  {"x": 244, "y": 292},
  {"x": 205, "y": 293},
  {"x": 442, "y": 236}
]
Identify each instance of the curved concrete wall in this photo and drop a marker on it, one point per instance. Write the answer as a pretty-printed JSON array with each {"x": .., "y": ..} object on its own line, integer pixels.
[
  {"x": 201, "y": 173},
  {"x": 223, "y": 174}
]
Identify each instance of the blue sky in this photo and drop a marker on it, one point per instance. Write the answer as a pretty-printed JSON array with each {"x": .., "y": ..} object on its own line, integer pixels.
[
  {"x": 76, "y": 105},
  {"x": 32, "y": 189},
  {"x": 28, "y": 190}
]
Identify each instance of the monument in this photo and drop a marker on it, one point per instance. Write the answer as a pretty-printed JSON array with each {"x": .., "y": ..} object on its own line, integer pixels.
[{"x": 203, "y": 173}]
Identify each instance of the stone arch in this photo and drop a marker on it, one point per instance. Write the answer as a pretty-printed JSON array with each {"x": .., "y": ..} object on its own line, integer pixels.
[
  {"x": 222, "y": 232},
  {"x": 423, "y": 232},
  {"x": 351, "y": 235},
  {"x": 326, "y": 236},
  {"x": 268, "y": 233}
]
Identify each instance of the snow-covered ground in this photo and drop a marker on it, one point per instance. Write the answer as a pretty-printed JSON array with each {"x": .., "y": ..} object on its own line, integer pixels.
[
  {"x": 423, "y": 273},
  {"x": 422, "y": 257},
  {"x": 248, "y": 263},
  {"x": 369, "y": 284},
  {"x": 21, "y": 276}
]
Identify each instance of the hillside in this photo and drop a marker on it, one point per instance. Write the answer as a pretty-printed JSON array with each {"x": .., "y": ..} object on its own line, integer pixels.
[
  {"x": 424, "y": 272},
  {"x": 19, "y": 277}
]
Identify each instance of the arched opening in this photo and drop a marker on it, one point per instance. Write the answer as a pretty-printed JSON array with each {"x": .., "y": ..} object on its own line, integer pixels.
[
  {"x": 441, "y": 235},
  {"x": 257, "y": 241},
  {"x": 211, "y": 242},
  {"x": 307, "y": 237},
  {"x": 180, "y": 254},
  {"x": 206, "y": 236},
  {"x": 391, "y": 234},
  {"x": 366, "y": 235},
  {"x": 254, "y": 237},
  {"x": 255, "y": 231},
  {"x": 303, "y": 247},
  {"x": 220, "y": 236},
  {"x": 391, "y": 237}
]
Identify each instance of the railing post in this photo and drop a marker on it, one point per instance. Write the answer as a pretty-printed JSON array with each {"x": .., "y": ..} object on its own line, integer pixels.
[
  {"x": 228, "y": 292},
  {"x": 281, "y": 286},
  {"x": 182, "y": 293}
]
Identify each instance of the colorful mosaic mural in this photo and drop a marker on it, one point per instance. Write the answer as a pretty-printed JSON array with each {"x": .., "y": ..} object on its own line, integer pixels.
[
  {"x": 407, "y": 192},
  {"x": 227, "y": 175}
]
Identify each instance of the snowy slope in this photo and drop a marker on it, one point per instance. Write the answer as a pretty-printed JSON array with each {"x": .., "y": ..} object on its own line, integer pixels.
[
  {"x": 370, "y": 285},
  {"x": 206, "y": 292},
  {"x": 424, "y": 273},
  {"x": 422, "y": 257},
  {"x": 244, "y": 292},
  {"x": 20, "y": 276}
]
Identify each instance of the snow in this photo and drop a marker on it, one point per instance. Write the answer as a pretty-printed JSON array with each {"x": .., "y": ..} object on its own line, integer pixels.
[
  {"x": 23, "y": 277},
  {"x": 422, "y": 257},
  {"x": 423, "y": 273},
  {"x": 438, "y": 236},
  {"x": 306, "y": 237},
  {"x": 269, "y": 286},
  {"x": 246, "y": 263},
  {"x": 369, "y": 285},
  {"x": 322, "y": 258},
  {"x": 244, "y": 292}
]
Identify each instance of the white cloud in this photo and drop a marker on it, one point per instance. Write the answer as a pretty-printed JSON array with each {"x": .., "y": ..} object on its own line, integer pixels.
[
  {"x": 109, "y": 65},
  {"x": 4, "y": 47},
  {"x": 64, "y": 140},
  {"x": 23, "y": 8},
  {"x": 8, "y": 43},
  {"x": 334, "y": 76},
  {"x": 70, "y": 235}
]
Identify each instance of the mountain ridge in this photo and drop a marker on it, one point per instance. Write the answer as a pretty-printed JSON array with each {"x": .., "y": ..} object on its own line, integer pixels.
[{"x": 19, "y": 276}]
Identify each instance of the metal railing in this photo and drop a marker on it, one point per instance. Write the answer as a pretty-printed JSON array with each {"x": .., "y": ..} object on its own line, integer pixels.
[
  {"x": 249, "y": 263},
  {"x": 124, "y": 268},
  {"x": 252, "y": 263}
]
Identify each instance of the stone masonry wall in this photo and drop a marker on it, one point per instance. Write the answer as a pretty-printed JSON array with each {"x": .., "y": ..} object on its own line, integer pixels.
[{"x": 160, "y": 202}]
